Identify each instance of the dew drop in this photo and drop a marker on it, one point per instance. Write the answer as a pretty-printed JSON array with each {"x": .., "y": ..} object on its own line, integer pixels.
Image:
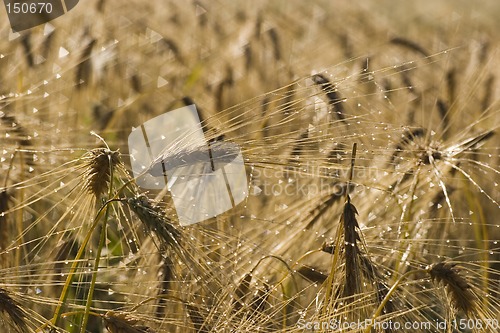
[{"x": 63, "y": 52}]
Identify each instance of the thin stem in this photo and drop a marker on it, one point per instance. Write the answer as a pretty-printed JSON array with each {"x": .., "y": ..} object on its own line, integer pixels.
[
  {"x": 351, "y": 171},
  {"x": 74, "y": 313},
  {"x": 102, "y": 241},
  {"x": 154, "y": 298},
  {"x": 94, "y": 274},
  {"x": 336, "y": 253},
  {"x": 388, "y": 296},
  {"x": 308, "y": 253},
  {"x": 335, "y": 259},
  {"x": 11, "y": 164},
  {"x": 406, "y": 215},
  {"x": 69, "y": 279},
  {"x": 290, "y": 271}
]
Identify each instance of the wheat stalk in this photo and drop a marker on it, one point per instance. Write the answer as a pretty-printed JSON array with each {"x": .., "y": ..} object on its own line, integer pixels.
[
  {"x": 122, "y": 322},
  {"x": 13, "y": 311},
  {"x": 99, "y": 164},
  {"x": 458, "y": 288}
]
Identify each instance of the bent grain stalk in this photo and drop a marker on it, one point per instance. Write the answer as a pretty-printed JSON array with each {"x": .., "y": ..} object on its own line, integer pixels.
[{"x": 334, "y": 99}]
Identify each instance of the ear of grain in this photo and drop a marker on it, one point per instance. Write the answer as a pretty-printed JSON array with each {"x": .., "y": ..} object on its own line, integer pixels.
[
  {"x": 371, "y": 273},
  {"x": 84, "y": 68},
  {"x": 298, "y": 147},
  {"x": 170, "y": 237},
  {"x": 13, "y": 311},
  {"x": 351, "y": 237},
  {"x": 166, "y": 277},
  {"x": 242, "y": 292},
  {"x": 334, "y": 99},
  {"x": 273, "y": 34},
  {"x": 28, "y": 52},
  {"x": 451, "y": 85},
  {"x": 100, "y": 162},
  {"x": 411, "y": 45},
  {"x": 100, "y": 5},
  {"x": 197, "y": 318},
  {"x": 248, "y": 57},
  {"x": 407, "y": 82},
  {"x": 457, "y": 287},
  {"x": 488, "y": 92},
  {"x": 312, "y": 274},
  {"x": 260, "y": 301},
  {"x": 47, "y": 44},
  {"x": 122, "y": 322},
  {"x": 155, "y": 220},
  {"x": 135, "y": 83},
  {"x": 443, "y": 109},
  {"x": 169, "y": 45},
  {"x": 336, "y": 155},
  {"x": 103, "y": 115}
]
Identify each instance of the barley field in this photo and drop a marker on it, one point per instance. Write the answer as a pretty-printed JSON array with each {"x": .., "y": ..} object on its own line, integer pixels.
[{"x": 369, "y": 132}]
